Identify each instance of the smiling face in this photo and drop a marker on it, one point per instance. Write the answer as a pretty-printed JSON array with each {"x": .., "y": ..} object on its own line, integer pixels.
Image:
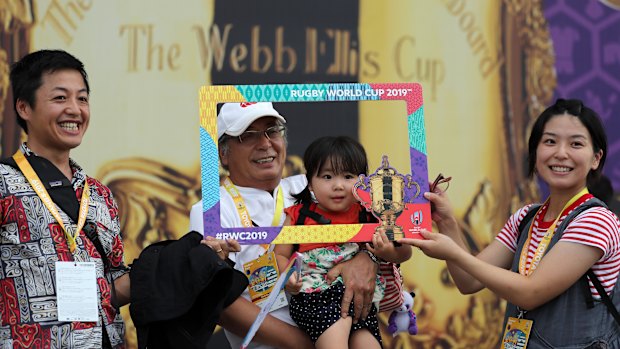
[
  {"x": 333, "y": 191},
  {"x": 59, "y": 117},
  {"x": 256, "y": 164},
  {"x": 565, "y": 154}
]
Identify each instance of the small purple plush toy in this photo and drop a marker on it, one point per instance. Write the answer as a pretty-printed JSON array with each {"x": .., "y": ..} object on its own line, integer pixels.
[{"x": 403, "y": 319}]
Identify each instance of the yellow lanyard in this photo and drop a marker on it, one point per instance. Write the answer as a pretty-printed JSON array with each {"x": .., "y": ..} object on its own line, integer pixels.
[
  {"x": 544, "y": 242},
  {"x": 242, "y": 209},
  {"x": 39, "y": 188}
]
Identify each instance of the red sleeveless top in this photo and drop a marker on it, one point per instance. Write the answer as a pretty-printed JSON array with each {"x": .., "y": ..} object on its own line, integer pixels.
[{"x": 351, "y": 216}]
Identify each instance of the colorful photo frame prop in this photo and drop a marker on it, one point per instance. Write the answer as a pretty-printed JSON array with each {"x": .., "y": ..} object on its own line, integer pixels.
[{"x": 397, "y": 220}]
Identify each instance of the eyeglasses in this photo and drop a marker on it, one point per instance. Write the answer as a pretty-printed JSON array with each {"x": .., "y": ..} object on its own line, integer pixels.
[
  {"x": 440, "y": 184},
  {"x": 252, "y": 137}
]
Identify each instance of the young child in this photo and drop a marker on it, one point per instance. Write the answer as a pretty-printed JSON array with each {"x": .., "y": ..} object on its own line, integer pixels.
[{"x": 333, "y": 165}]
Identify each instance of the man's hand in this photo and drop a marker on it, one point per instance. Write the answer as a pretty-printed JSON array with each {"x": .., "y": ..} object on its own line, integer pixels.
[
  {"x": 122, "y": 294},
  {"x": 359, "y": 275},
  {"x": 221, "y": 247}
]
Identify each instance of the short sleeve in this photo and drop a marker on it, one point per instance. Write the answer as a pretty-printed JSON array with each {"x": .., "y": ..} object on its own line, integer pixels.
[
  {"x": 596, "y": 227},
  {"x": 509, "y": 234}
]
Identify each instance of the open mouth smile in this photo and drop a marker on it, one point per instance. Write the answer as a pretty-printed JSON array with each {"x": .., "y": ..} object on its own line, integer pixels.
[
  {"x": 69, "y": 126},
  {"x": 265, "y": 160},
  {"x": 561, "y": 169}
]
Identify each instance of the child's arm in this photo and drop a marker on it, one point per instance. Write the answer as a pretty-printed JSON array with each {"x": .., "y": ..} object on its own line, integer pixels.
[
  {"x": 283, "y": 253},
  {"x": 385, "y": 249}
]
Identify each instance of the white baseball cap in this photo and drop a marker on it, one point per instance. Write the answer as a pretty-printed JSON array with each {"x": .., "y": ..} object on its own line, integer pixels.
[{"x": 235, "y": 118}]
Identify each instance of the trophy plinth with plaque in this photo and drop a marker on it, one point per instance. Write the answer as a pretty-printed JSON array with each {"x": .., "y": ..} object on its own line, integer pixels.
[{"x": 387, "y": 197}]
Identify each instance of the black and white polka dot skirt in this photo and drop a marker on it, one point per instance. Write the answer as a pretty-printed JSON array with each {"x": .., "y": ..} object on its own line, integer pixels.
[{"x": 316, "y": 312}]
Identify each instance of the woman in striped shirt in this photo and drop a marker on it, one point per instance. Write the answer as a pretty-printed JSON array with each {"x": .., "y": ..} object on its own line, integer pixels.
[{"x": 538, "y": 262}]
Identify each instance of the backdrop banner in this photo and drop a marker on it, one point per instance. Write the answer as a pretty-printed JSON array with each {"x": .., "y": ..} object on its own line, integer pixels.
[{"x": 487, "y": 69}]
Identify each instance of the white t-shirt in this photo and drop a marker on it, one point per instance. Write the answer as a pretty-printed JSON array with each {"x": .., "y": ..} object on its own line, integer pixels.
[{"x": 261, "y": 206}]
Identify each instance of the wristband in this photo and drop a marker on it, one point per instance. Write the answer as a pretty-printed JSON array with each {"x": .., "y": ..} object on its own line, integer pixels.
[{"x": 372, "y": 256}]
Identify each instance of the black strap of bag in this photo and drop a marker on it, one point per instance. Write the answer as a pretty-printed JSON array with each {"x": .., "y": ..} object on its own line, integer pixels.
[
  {"x": 604, "y": 297},
  {"x": 305, "y": 211}
]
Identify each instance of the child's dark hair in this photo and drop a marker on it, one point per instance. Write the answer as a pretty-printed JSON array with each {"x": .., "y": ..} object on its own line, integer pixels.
[
  {"x": 588, "y": 117},
  {"x": 345, "y": 154}
]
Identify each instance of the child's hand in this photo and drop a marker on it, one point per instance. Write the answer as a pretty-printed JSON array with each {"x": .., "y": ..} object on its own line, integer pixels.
[
  {"x": 381, "y": 246},
  {"x": 293, "y": 285}
]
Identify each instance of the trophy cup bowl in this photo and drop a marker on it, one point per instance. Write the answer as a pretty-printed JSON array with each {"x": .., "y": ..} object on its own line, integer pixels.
[
  {"x": 387, "y": 201},
  {"x": 386, "y": 193}
]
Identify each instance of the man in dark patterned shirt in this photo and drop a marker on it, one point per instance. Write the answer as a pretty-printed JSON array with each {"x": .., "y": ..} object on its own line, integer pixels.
[{"x": 59, "y": 228}]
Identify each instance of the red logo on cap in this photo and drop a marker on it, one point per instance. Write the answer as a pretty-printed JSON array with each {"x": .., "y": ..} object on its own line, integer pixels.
[{"x": 246, "y": 104}]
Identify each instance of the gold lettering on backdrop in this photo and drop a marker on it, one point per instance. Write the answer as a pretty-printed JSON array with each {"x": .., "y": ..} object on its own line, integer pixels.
[
  {"x": 132, "y": 44},
  {"x": 354, "y": 59},
  {"x": 282, "y": 58},
  {"x": 156, "y": 53},
  {"x": 282, "y": 49},
  {"x": 257, "y": 49},
  {"x": 370, "y": 59},
  {"x": 338, "y": 65},
  {"x": 466, "y": 20},
  {"x": 174, "y": 52},
  {"x": 213, "y": 49},
  {"x": 64, "y": 19},
  {"x": 344, "y": 53},
  {"x": 237, "y": 54},
  {"x": 311, "y": 51},
  {"x": 424, "y": 69},
  {"x": 337, "y": 46}
]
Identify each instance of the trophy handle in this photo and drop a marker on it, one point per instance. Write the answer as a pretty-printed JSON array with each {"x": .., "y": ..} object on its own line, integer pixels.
[
  {"x": 410, "y": 182},
  {"x": 360, "y": 184}
]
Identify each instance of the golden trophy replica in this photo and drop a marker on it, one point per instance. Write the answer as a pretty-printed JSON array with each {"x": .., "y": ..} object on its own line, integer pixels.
[{"x": 387, "y": 197}]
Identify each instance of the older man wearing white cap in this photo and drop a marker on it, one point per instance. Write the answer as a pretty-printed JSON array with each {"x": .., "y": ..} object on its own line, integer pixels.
[{"x": 252, "y": 147}]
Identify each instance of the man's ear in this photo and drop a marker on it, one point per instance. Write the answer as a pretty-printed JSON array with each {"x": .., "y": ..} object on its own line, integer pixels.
[
  {"x": 23, "y": 109},
  {"x": 223, "y": 156}
]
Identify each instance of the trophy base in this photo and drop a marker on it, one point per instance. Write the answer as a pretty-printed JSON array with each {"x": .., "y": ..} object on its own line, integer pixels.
[{"x": 393, "y": 232}]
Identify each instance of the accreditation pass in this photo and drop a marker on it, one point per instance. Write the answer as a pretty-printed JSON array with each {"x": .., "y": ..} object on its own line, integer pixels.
[{"x": 76, "y": 291}]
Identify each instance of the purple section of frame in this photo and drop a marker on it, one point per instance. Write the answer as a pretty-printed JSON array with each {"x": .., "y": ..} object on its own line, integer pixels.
[
  {"x": 211, "y": 217},
  {"x": 587, "y": 47},
  {"x": 262, "y": 235},
  {"x": 418, "y": 162}
]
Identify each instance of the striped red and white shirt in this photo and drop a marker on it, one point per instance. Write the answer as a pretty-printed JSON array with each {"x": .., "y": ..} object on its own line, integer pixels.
[{"x": 596, "y": 226}]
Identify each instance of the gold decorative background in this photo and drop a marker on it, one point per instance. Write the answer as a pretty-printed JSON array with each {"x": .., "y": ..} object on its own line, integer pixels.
[{"x": 486, "y": 69}]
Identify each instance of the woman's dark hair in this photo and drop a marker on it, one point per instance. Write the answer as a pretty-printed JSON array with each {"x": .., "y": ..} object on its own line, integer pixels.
[
  {"x": 602, "y": 189},
  {"x": 27, "y": 75},
  {"x": 344, "y": 153},
  {"x": 588, "y": 117}
]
